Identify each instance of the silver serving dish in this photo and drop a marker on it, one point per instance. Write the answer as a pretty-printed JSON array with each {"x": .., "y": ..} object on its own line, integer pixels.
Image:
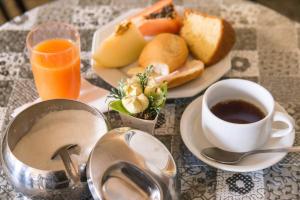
[
  {"x": 131, "y": 164},
  {"x": 35, "y": 182},
  {"x": 124, "y": 164}
]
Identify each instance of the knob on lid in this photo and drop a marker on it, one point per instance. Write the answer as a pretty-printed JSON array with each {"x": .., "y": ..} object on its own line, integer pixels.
[{"x": 129, "y": 164}]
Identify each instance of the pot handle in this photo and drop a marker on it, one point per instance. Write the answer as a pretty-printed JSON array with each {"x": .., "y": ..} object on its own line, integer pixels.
[
  {"x": 70, "y": 166},
  {"x": 140, "y": 180}
]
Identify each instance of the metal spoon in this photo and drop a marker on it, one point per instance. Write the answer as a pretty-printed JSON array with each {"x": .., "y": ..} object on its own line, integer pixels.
[{"x": 227, "y": 157}]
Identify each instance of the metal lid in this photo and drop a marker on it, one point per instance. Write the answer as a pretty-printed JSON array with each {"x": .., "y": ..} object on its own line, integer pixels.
[{"x": 130, "y": 164}]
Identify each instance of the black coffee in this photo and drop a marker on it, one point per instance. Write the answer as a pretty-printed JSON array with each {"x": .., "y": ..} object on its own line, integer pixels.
[{"x": 237, "y": 111}]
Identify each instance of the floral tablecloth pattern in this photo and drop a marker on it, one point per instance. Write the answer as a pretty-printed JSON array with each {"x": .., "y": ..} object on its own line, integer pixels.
[{"x": 267, "y": 51}]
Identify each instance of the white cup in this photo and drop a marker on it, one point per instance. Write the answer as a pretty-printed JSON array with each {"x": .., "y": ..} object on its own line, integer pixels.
[{"x": 241, "y": 137}]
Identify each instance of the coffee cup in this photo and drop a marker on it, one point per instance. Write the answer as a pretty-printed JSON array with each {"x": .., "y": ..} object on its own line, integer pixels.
[{"x": 237, "y": 137}]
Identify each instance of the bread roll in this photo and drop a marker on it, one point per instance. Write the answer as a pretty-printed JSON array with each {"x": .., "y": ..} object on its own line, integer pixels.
[{"x": 167, "y": 52}]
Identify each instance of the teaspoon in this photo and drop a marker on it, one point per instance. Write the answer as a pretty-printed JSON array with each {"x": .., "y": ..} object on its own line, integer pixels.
[{"x": 227, "y": 157}]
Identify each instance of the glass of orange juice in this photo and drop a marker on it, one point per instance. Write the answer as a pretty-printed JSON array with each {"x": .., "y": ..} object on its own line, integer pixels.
[{"x": 54, "y": 51}]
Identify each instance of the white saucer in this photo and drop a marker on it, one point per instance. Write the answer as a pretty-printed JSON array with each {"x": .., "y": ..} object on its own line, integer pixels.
[{"x": 194, "y": 139}]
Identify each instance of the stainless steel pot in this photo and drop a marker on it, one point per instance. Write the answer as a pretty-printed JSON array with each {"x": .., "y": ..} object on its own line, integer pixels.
[
  {"x": 35, "y": 182},
  {"x": 124, "y": 164}
]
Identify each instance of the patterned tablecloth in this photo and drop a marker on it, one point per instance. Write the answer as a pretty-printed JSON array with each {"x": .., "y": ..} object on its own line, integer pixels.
[{"x": 267, "y": 51}]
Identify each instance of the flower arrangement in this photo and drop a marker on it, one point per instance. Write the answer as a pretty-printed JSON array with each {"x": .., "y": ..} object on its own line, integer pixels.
[{"x": 140, "y": 96}]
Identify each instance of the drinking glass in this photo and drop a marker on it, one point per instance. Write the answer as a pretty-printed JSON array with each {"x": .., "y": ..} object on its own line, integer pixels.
[{"x": 54, "y": 52}]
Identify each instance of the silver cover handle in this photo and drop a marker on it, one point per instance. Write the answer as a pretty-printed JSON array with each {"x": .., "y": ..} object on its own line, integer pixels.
[{"x": 142, "y": 182}]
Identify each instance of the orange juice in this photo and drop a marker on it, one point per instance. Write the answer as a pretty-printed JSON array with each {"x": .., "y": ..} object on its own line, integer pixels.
[{"x": 56, "y": 68}]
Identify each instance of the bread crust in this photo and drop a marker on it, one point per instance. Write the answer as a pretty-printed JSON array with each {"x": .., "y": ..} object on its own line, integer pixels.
[
  {"x": 191, "y": 70},
  {"x": 180, "y": 80},
  {"x": 225, "y": 42}
]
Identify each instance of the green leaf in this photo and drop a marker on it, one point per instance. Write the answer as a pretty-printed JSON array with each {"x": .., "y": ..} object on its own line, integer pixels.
[
  {"x": 156, "y": 102},
  {"x": 158, "y": 99},
  {"x": 117, "y": 93},
  {"x": 145, "y": 76},
  {"x": 118, "y": 106}
]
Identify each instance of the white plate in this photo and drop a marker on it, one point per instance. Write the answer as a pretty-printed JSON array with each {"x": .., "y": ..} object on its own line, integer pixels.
[
  {"x": 194, "y": 139},
  {"x": 113, "y": 76}
]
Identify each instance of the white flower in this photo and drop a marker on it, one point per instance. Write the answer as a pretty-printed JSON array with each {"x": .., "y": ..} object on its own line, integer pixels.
[
  {"x": 152, "y": 87},
  {"x": 135, "y": 104},
  {"x": 133, "y": 89}
]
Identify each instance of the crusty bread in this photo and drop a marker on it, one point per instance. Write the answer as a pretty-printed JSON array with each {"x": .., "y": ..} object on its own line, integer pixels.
[
  {"x": 209, "y": 38},
  {"x": 168, "y": 50},
  {"x": 190, "y": 71}
]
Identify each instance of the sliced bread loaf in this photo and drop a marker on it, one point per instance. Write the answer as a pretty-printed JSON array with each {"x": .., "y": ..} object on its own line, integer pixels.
[
  {"x": 209, "y": 38},
  {"x": 190, "y": 71}
]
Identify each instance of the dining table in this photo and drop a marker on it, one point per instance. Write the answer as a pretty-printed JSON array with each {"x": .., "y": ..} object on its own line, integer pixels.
[{"x": 266, "y": 51}]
